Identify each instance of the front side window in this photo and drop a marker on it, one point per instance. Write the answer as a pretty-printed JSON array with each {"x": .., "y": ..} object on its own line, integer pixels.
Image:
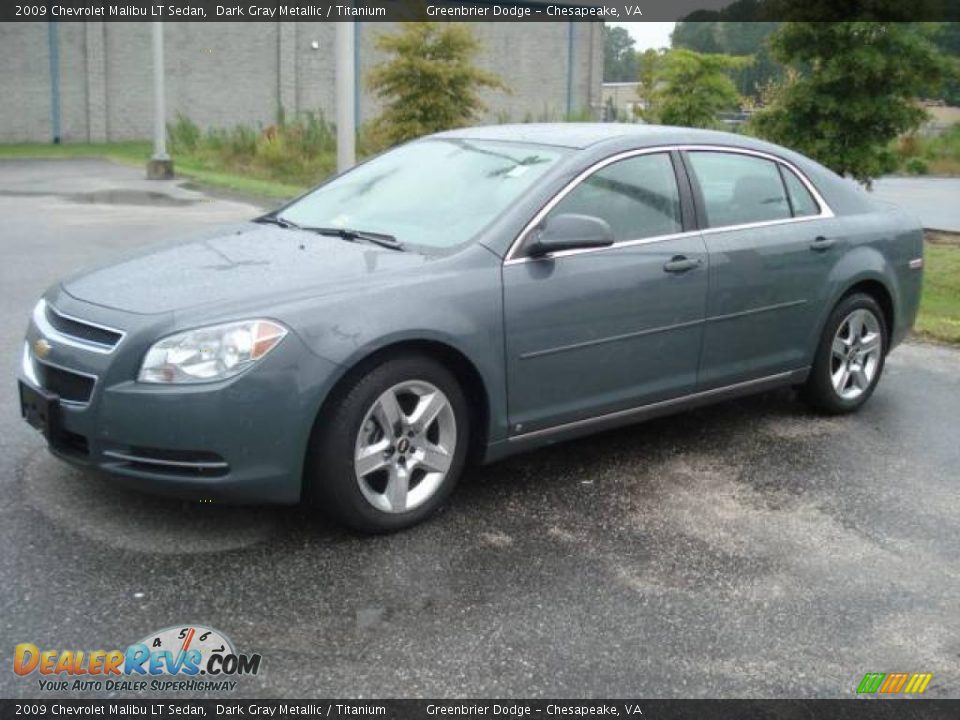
[
  {"x": 739, "y": 189},
  {"x": 436, "y": 193},
  {"x": 638, "y": 197}
]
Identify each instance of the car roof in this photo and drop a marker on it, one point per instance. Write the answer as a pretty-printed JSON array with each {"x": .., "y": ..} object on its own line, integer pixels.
[{"x": 583, "y": 135}]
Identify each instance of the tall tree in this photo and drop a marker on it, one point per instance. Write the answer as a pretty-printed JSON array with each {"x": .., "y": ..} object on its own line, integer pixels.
[
  {"x": 854, "y": 92},
  {"x": 692, "y": 89},
  {"x": 647, "y": 78},
  {"x": 428, "y": 82},
  {"x": 734, "y": 38},
  {"x": 619, "y": 57},
  {"x": 947, "y": 38}
]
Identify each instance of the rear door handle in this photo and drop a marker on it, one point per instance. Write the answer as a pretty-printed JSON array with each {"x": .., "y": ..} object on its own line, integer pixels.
[
  {"x": 682, "y": 264},
  {"x": 821, "y": 243}
]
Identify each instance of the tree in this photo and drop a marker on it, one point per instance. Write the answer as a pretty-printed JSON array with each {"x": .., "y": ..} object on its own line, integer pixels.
[
  {"x": 947, "y": 38},
  {"x": 854, "y": 92},
  {"x": 619, "y": 57},
  {"x": 692, "y": 89},
  {"x": 647, "y": 79},
  {"x": 429, "y": 82},
  {"x": 734, "y": 38}
]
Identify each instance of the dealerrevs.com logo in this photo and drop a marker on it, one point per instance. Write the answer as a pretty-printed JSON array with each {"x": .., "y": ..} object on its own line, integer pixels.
[{"x": 180, "y": 658}]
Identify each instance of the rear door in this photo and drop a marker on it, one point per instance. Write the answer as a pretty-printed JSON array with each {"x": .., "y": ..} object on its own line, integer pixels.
[
  {"x": 595, "y": 331},
  {"x": 771, "y": 251}
]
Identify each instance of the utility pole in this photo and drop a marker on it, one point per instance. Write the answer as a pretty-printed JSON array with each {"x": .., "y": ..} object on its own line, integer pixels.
[
  {"x": 345, "y": 96},
  {"x": 160, "y": 166}
]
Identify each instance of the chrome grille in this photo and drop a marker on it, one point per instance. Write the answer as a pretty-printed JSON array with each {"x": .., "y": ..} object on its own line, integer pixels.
[
  {"x": 75, "y": 331},
  {"x": 83, "y": 331}
]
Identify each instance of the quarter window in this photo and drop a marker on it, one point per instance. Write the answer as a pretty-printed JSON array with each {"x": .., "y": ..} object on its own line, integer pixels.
[
  {"x": 739, "y": 189},
  {"x": 638, "y": 197},
  {"x": 800, "y": 198}
]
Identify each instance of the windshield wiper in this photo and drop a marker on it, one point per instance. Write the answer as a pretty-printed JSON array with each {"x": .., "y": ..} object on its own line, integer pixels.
[
  {"x": 381, "y": 239},
  {"x": 277, "y": 220}
]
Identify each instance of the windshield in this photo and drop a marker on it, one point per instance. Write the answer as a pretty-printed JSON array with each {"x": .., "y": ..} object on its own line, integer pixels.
[{"x": 435, "y": 193}]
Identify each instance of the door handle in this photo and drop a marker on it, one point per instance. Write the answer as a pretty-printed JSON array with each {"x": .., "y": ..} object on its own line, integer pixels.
[
  {"x": 681, "y": 264},
  {"x": 821, "y": 243}
]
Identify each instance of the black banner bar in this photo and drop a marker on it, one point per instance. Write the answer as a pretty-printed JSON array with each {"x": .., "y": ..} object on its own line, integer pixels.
[
  {"x": 474, "y": 10},
  {"x": 852, "y": 709}
]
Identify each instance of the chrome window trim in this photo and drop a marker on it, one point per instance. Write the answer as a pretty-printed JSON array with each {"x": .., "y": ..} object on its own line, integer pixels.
[
  {"x": 817, "y": 200},
  {"x": 31, "y": 374},
  {"x": 511, "y": 256},
  {"x": 49, "y": 331}
]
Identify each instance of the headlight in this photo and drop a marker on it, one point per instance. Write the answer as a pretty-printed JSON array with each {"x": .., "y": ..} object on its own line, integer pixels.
[{"x": 210, "y": 353}]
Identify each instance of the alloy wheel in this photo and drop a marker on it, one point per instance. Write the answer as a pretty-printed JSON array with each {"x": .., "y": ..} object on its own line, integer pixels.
[
  {"x": 856, "y": 353},
  {"x": 405, "y": 446}
]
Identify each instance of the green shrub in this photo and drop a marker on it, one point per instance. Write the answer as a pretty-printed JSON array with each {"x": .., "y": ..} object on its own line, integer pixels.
[
  {"x": 936, "y": 154},
  {"x": 301, "y": 151},
  {"x": 183, "y": 135},
  {"x": 917, "y": 166},
  {"x": 241, "y": 141},
  {"x": 317, "y": 135}
]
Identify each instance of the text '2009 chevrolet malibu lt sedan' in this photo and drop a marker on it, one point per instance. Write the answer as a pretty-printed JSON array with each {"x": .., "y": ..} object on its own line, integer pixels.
[{"x": 464, "y": 297}]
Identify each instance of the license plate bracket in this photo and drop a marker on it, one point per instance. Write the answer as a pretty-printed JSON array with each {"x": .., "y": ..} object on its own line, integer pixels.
[{"x": 41, "y": 409}]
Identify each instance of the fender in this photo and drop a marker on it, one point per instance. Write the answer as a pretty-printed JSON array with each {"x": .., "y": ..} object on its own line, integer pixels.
[
  {"x": 861, "y": 263},
  {"x": 462, "y": 312}
]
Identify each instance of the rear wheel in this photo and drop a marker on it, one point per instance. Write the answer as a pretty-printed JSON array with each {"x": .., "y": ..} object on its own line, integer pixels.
[
  {"x": 850, "y": 357},
  {"x": 392, "y": 446}
]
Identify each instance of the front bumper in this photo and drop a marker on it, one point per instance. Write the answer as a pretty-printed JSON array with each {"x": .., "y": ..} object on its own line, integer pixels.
[{"x": 241, "y": 440}]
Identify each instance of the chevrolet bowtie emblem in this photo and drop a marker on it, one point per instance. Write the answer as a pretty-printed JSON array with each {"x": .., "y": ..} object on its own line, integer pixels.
[{"x": 41, "y": 348}]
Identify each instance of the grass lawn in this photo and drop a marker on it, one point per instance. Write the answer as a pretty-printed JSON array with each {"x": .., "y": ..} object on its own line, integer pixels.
[
  {"x": 939, "y": 317},
  {"x": 199, "y": 169}
]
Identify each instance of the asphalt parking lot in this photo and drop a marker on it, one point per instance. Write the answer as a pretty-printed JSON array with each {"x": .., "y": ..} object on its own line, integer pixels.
[{"x": 751, "y": 549}]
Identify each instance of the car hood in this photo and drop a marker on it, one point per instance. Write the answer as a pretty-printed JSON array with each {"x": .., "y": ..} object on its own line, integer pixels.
[{"x": 237, "y": 264}]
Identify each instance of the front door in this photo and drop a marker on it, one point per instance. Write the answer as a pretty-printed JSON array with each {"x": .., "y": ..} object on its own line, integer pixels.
[{"x": 600, "y": 330}]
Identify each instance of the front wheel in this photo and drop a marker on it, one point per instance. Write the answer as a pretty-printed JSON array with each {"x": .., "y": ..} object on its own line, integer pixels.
[
  {"x": 850, "y": 357},
  {"x": 392, "y": 446}
]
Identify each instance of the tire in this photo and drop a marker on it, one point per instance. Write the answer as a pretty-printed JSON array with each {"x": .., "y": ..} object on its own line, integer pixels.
[
  {"x": 356, "y": 472},
  {"x": 850, "y": 357}
]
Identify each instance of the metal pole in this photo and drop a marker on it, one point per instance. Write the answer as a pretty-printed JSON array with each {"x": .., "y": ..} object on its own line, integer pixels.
[
  {"x": 357, "y": 119},
  {"x": 53, "y": 40},
  {"x": 570, "y": 26},
  {"x": 345, "y": 96},
  {"x": 160, "y": 166},
  {"x": 159, "y": 100}
]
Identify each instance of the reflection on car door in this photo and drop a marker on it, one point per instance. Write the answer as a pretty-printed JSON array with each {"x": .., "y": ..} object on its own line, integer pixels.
[
  {"x": 768, "y": 272},
  {"x": 590, "y": 332}
]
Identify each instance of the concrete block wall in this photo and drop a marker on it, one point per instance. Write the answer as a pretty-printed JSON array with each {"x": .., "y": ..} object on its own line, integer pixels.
[
  {"x": 224, "y": 74},
  {"x": 25, "y": 113}
]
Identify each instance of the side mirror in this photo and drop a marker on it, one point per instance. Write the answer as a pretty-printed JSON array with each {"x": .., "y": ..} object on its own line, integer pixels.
[{"x": 570, "y": 232}]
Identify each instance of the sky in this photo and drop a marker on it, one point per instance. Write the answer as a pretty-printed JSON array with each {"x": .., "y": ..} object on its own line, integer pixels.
[{"x": 648, "y": 34}]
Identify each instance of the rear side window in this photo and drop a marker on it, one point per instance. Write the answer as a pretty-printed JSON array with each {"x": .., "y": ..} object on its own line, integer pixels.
[
  {"x": 739, "y": 189},
  {"x": 800, "y": 198},
  {"x": 638, "y": 197}
]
